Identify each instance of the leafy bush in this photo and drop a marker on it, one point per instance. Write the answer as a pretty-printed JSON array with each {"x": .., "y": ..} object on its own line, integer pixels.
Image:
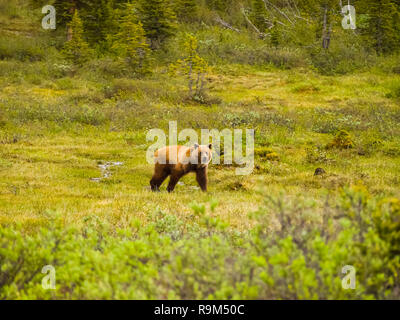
[
  {"x": 343, "y": 57},
  {"x": 3, "y": 121},
  {"x": 394, "y": 90},
  {"x": 293, "y": 252},
  {"x": 342, "y": 140},
  {"x": 266, "y": 154},
  {"x": 316, "y": 155},
  {"x": 22, "y": 49},
  {"x": 84, "y": 114},
  {"x": 109, "y": 67},
  {"x": 218, "y": 46}
]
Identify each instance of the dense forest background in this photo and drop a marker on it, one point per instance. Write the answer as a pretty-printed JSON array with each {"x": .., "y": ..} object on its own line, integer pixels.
[{"x": 300, "y": 32}]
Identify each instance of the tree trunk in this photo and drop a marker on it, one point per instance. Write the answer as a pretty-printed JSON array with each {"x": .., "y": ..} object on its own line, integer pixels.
[
  {"x": 69, "y": 28},
  {"x": 326, "y": 33}
]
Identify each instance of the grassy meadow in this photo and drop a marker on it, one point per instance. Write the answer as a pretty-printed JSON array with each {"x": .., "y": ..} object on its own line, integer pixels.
[
  {"x": 55, "y": 134},
  {"x": 59, "y": 123}
]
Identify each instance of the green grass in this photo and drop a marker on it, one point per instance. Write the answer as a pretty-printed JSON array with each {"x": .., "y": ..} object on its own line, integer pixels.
[{"x": 55, "y": 132}]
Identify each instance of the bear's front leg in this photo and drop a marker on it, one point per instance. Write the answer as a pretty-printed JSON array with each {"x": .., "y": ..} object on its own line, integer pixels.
[
  {"x": 201, "y": 177},
  {"x": 160, "y": 174},
  {"x": 173, "y": 180}
]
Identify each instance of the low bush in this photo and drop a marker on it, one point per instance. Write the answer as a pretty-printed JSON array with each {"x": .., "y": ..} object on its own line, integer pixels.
[
  {"x": 294, "y": 251},
  {"x": 22, "y": 49},
  {"x": 83, "y": 114},
  {"x": 394, "y": 90},
  {"x": 344, "y": 56},
  {"x": 264, "y": 153},
  {"x": 342, "y": 140}
]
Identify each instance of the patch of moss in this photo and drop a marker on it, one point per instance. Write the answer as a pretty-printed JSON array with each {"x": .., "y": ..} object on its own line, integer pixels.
[
  {"x": 273, "y": 156},
  {"x": 342, "y": 140},
  {"x": 391, "y": 151},
  {"x": 266, "y": 154},
  {"x": 262, "y": 152},
  {"x": 240, "y": 185}
]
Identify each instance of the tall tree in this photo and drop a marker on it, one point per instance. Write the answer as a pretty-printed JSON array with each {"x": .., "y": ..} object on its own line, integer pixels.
[
  {"x": 383, "y": 24},
  {"x": 219, "y": 5},
  {"x": 76, "y": 49},
  {"x": 193, "y": 67},
  {"x": 158, "y": 20},
  {"x": 275, "y": 36},
  {"x": 130, "y": 41},
  {"x": 97, "y": 16},
  {"x": 65, "y": 11},
  {"x": 99, "y": 21},
  {"x": 258, "y": 14},
  {"x": 186, "y": 10}
]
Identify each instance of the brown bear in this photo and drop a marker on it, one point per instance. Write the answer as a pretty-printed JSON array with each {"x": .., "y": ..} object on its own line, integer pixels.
[{"x": 177, "y": 161}]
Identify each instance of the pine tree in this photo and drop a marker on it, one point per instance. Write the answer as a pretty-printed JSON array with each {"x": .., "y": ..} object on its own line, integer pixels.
[
  {"x": 65, "y": 11},
  {"x": 275, "y": 36},
  {"x": 186, "y": 10},
  {"x": 99, "y": 21},
  {"x": 97, "y": 16},
  {"x": 383, "y": 31},
  {"x": 325, "y": 15},
  {"x": 158, "y": 20},
  {"x": 219, "y": 5},
  {"x": 77, "y": 49},
  {"x": 130, "y": 41},
  {"x": 193, "y": 67},
  {"x": 258, "y": 15}
]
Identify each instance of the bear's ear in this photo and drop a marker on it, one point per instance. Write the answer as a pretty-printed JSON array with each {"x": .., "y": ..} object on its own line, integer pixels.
[
  {"x": 196, "y": 145},
  {"x": 210, "y": 146}
]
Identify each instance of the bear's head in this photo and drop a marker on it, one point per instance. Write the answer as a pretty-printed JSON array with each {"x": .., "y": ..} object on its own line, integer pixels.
[{"x": 201, "y": 155}]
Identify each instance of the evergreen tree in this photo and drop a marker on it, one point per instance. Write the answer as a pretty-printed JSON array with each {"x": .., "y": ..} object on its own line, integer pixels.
[
  {"x": 383, "y": 31},
  {"x": 99, "y": 21},
  {"x": 193, "y": 67},
  {"x": 77, "y": 49},
  {"x": 65, "y": 11},
  {"x": 130, "y": 41},
  {"x": 186, "y": 10},
  {"x": 97, "y": 16},
  {"x": 258, "y": 15},
  {"x": 219, "y": 5},
  {"x": 158, "y": 20},
  {"x": 275, "y": 36}
]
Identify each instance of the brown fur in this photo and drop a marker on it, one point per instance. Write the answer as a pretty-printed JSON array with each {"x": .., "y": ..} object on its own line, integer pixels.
[{"x": 165, "y": 168}]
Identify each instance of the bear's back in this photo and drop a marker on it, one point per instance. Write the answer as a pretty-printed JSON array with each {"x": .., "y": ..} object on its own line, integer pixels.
[{"x": 167, "y": 154}]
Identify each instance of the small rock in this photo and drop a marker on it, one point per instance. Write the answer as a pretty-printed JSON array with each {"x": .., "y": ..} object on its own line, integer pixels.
[{"x": 319, "y": 172}]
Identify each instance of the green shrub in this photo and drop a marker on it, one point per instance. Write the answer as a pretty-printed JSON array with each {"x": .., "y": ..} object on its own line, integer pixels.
[
  {"x": 22, "y": 49},
  {"x": 3, "y": 120},
  {"x": 59, "y": 113},
  {"x": 266, "y": 154},
  {"x": 342, "y": 140},
  {"x": 341, "y": 58},
  {"x": 316, "y": 155},
  {"x": 293, "y": 252},
  {"x": 109, "y": 67},
  {"x": 394, "y": 88},
  {"x": 218, "y": 46}
]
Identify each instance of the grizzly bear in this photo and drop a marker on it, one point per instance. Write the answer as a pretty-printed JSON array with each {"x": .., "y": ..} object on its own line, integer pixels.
[{"x": 177, "y": 161}]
